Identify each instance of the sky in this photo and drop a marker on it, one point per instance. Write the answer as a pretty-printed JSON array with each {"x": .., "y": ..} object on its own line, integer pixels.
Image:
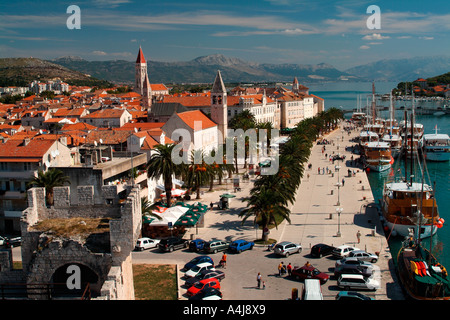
[{"x": 263, "y": 31}]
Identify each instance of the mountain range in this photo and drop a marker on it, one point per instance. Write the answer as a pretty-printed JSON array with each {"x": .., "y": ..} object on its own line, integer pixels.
[{"x": 203, "y": 70}]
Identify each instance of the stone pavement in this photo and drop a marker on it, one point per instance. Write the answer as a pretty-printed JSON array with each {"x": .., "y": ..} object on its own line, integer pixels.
[{"x": 314, "y": 218}]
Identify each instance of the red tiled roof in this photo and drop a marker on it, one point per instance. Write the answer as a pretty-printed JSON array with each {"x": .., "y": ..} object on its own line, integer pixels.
[
  {"x": 15, "y": 150},
  {"x": 190, "y": 117},
  {"x": 105, "y": 113}
]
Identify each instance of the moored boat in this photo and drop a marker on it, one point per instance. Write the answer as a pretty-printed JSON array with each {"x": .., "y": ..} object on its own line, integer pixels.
[
  {"x": 420, "y": 274},
  {"x": 377, "y": 156},
  {"x": 400, "y": 206},
  {"x": 436, "y": 147}
]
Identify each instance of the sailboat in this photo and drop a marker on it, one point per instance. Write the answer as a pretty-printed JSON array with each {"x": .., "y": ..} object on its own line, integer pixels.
[
  {"x": 393, "y": 137},
  {"x": 420, "y": 273},
  {"x": 401, "y": 202}
]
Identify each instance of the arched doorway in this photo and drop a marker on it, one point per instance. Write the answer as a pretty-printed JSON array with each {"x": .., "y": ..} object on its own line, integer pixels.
[{"x": 87, "y": 276}]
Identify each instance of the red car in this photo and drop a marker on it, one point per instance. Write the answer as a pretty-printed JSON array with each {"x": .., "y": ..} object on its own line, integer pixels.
[
  {"x": 310, "y": 272},
  {"x": 202, "y": 284}
]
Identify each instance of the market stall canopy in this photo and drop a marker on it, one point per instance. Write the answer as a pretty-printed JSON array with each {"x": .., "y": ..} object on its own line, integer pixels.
[{"x": 227, "y": 195}]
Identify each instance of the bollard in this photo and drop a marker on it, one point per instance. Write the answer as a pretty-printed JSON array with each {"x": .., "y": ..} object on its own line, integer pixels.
[
  {"x": 331, "y": 216},
  {"x": 332, "y": 192}
]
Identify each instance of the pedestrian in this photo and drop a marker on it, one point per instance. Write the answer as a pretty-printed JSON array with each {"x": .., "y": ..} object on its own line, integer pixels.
[
  {"x": 318, "y": 170},
  {"x": 224, "y": 260},
  {"x": 358, "y": 236},
  {"x": 280, "y": 268},
  {"x": 343, "y": 181},
  {"x": 211, "y": 205},
  {"x": 289, "y": 269},
  {"x": 258, "y": 279},
  {"x": 264, "y": 285},
  {"x": 323, "y": 170}
]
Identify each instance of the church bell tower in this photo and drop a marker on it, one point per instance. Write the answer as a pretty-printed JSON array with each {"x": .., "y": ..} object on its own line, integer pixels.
[{"x": 219, "y": 105}]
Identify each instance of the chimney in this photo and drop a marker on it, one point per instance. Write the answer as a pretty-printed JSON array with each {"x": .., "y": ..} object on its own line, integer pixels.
[{"x": 26, "y": 141}]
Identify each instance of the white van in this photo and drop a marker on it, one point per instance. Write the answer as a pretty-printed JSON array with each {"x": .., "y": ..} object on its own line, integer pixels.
[
  {"x": 312, "y": 290},
  {"x": 357, "y": 281}
]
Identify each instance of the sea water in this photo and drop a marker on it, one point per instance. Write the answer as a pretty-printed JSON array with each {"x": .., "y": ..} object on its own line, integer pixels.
[{"x": 344, "y": 95}]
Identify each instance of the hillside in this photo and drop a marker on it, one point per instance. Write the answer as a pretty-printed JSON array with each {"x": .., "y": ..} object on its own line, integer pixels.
[
  {"x": 203, "y": 70},
  {"x": 22, "y": 71},
  {"x": 402, "y": 69}
]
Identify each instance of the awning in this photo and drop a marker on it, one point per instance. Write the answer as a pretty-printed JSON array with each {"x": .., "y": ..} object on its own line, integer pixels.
[{"x": 227, "y": 195}]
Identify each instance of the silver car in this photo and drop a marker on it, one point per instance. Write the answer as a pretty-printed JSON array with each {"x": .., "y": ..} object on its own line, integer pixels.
[
  {"x": 286, "y": 248},
  {"x": 363, "y": 256}
]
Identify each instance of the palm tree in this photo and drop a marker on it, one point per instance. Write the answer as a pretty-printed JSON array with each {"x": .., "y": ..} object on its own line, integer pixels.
[
  {"x": 198, "y": 173},
  {"x": 48, "y": 180},
  {"x": 264, "y": 205},
  {"x": 161, "y": 164}
]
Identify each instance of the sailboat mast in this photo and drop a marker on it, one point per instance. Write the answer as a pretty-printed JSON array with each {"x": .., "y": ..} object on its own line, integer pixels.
[
  {"x": 373, "y": 103},
  {"x": 405, "y": 145},
  {"x": 412, "y": 135}
]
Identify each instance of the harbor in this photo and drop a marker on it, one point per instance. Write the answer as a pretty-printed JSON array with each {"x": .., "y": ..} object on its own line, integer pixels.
[{"x": 324, "y": 212}]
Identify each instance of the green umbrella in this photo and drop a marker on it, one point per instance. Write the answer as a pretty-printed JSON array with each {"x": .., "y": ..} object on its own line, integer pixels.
[
  {"x": 227, "y": 195},
  {"x": 146, "y": 219}
]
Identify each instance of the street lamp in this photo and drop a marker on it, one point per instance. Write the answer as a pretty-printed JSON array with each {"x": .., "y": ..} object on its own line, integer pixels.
[{"x": 338, "y": 211}]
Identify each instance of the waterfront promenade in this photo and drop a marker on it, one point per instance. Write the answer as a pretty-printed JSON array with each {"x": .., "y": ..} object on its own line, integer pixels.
[{"x": 314, "y": 219}]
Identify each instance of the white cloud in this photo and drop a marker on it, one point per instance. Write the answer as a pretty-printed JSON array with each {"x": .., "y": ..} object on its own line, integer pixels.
[
  {"x": 99, "y": 53},
  {"x": 364, "y": 47},
  {"x": 426, "y": 38},
  {"x": 375, "y": 36}
]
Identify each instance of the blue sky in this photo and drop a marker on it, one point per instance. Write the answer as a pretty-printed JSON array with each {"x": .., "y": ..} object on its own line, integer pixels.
[{"x": 265, "y": 31}]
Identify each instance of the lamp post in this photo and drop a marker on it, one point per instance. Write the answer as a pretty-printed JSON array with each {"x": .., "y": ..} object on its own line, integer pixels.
[
  {"x": 338, "y": 184},
  {"x": 338, "y": 211}
]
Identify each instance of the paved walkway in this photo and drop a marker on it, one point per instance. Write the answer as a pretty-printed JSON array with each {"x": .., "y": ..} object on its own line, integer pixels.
[{"x": 314, "y": 218}]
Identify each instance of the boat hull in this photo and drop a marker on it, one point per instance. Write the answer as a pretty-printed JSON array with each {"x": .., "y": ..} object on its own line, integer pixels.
[
  {"x": 378, "y": 167},
  {"x": 403, "y": 229},
  {"x": 437, "y": 156}
]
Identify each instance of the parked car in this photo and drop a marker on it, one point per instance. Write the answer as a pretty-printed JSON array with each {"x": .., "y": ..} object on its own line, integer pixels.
[
  {"x": 172, "y": 243},
  {"x": 352, "y": 261},
  {"x": 207, "y": 294},
  {"x": 10, "y": 242},
  {"x": 309, "y": 272},
  {"x": 364, "y": 256},
  {"x": 241, "y": 245},
  {"x": 145, "y": 243},
  {"x": 343, "y": 251},
  {"x": 195, "y": 270},
  {"x": 312, "y": 290},
  {"x": 320, "y": 250},
  {"x": 353, "y": 266},
  {"x": 198, "y": 260},
  {"x": 203, "y": 284},
  {"x": 357, "y": 281},
  {"x": 206, "y": 274},
  {"x": 216, "y": 245},
  {"x": 352, "y": 296},
  {"x": 286, "y": 248},
  {"x": 197, "y": 245}
]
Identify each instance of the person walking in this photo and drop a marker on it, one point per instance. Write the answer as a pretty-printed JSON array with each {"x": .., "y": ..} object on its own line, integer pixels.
[
  {"x": 280, "y": 268},
  {"x": 343, "y": 181},
  {"x": 289, "y": 269},
  {"x": 358, "y": 236},
  {"x": 318, "y": 170},
  {"x": 258, "y": 280}
]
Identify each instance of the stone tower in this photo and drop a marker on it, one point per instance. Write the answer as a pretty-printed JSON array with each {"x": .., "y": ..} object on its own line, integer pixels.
[
  {"x": 219, "y": 105},
  {"x": 140, "y": 73},
  {"x": 146, "y": 94},
  {"x": 295, "y": 85}
]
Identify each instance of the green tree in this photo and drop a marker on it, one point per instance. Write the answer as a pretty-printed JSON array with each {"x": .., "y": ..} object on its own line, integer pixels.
[
  {"x": 161, "y": 164},
  {"x": 198, "y": 173},
  {"x": 49, "y": 179}
]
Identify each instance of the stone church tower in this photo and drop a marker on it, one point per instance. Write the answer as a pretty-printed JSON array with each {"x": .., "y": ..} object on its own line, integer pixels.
[
  {"x": 219, "y": 105},
  {"x": 140, "y": 73}
]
